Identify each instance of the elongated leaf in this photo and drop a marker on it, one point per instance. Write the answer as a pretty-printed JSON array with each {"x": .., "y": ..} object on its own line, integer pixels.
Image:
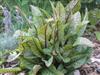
[
  {"x": 61, "y": 33},
  {"x": 61, "y": 68},
  {"x": 36, "y": 68},
  {"x": 34, "y": 40},
  {"x": 60, "y": 11},
  {"x": 47, "y": 51},
  {"x": 67, "y": 47},
  {"x": 55, "y": 71},
  {"x": 49, "y": 62},
  {"x": 71, "y": 5},
  {"x": 85, "y": 19},
  {"x": 13, "y": 57},
  {"x": 45, "y": 13},
  {"x": 75, "y": 21},
  {"x": 82, "y": 27},
  {"x": 54, "y": 10},
  {"x": 33, "y": 45},
  {"x": 66, "y": 59},
  {"x": 9, "y": 70},
  {"x": 24, "y": 63},
  {"x": 41, "y": 31},
  {"x": 35, "y": 10},
  {"x": 79, "y": 63},
  {"x": 46, "y": 72},
  {"x": 83, "y": 41}
]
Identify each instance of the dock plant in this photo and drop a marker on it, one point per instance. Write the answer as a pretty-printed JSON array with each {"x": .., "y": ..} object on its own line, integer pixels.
[{"x": 56, "y": 46}]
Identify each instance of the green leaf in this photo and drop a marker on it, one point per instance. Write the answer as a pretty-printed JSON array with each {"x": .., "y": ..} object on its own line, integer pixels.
[
  {"x": 97, "y": 35},
  {"x": 33, "y": 48},
  {"x": 74, "y": 22},
  {"x": 24, "y": 2},
  {"x": 61, "y": 33},
  {"x": 37, "y": 43},
  {"x": 35, "y": 70},
  {"x": 53, "y": 9},
  {"x": 73, "y": 6},
  {"x": 79, "y": 63},
  {"x": 45, "y": 13},
  {"x": 41, "y": 31},
  {"x": 34, "y": 45},
  {"x": 66, "y": 59},
  {"x": 55, "y": 71},
  {"x": 47, "y": 51},
  {"x": 10, "y": 70},
  {"x": 35, "y": 10},
  {"x": 46, "y": 72},
  {"x": 24, "y": 63},
  {"x": 60, "y": 11},
  {"x": 83, "y": 41},
  {"x": 67, "y": 47},
  {"x": 61, "y": 68},
  {"x": 82, "y": 27},
  {"x": 77, "y": 7},
  {"x": 49, "y": 62},
  {"x": 85, "y": 19},
  {"x": 13, "y": 56}
]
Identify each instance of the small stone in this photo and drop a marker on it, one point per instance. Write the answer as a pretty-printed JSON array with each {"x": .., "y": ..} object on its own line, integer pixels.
[
  {"x": 76, "y": 72},
  {"x": 22, "y": 73},
  {"x": 98, "y": 70}
]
